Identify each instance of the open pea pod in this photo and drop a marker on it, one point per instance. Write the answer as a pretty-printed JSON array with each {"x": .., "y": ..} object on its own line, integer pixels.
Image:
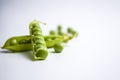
[
  {"x": 18, "y": 43},
  {"x": 23, "y": 43}
]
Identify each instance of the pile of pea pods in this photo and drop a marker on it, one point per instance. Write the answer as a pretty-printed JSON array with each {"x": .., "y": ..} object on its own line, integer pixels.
[{"x": 38, "y": 43}]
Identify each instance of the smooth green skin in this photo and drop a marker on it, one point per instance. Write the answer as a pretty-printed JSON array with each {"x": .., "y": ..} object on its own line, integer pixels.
[
  {"x": 39, "y": 47},
  {"x": 50, "y": 40},
  {"x": 59, "y": 29},
  {"x": 58, "y": 48},
  {"x": 52, "y": 32},
  {"x": 72, "y": 32}
]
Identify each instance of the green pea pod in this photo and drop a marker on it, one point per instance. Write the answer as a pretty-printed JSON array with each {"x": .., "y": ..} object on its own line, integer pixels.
[
  {"x": 23, "y": 43},
  {"x": 39, "y": 47},
  {"x": 18, "y": 43}
]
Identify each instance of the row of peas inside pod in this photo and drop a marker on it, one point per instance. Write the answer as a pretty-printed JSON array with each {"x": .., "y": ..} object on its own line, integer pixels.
[{"x": 39, "y": 43}]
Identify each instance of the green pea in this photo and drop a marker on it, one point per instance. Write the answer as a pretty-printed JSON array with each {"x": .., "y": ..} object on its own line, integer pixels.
[
  {"x": 39, "y": 42},
  {"x": 36, "y": 33},
  {"x": 34, "y": 25},
  {"x": 23, "y": 41},
  {"x": 59, "y": 28},
  {"x": 48, "y": 39},
  {"x": 38, "y": 46},
  {"x": 34, "y": 38},
  {"x": 41, "y": 54},
  {"x": 52, "y": 32},
  {"x": 58, "y": 48},
  {"x": 35, "y": 29},
  {"x": 72, "y": 31},
  {"x": 13, "y": 42}
]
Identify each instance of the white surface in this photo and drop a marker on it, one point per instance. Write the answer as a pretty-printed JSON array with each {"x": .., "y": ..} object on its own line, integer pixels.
[{"x": 94, "y": 55}]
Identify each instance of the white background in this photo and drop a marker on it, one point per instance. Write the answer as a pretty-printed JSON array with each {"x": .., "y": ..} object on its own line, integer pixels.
[{"x": 93, "y": 55}]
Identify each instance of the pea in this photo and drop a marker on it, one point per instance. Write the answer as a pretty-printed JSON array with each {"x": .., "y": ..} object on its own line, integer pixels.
[
  {"x": 13, "y": 42},
  {"x": 48, "y": 39},
  {"x": 37, "y": 38},
  {"x": 59, "y": 28},
  {"x": 52, "y": 32},
  {"x": 69, "y": 30},
  {"x": 36, "y": 33},
  {"x": 38, "y": 46},
  {"x": 34, "y": 25},
  {"x": 23, "y": 41},
  {"x": 72, "y": 32},
  {"x": 38, "y": 42},
  {"x": 58, "y": 48},
  {"x": 41, "y": 54},
  {"x": 36, "y": 29}
]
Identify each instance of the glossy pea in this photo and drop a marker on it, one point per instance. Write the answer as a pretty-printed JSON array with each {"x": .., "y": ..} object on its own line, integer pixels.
[
  {"x": 37, "y": 39},
  {"x": 58, "y": 48},
  {"x": 52, "y": 32},
  {"x": 48, "y": 39},
  {"x": 72, "y": 32},
  {"x": 43, "y": 54},
  {"x": 23, "y": 41},
  {"x": 13, "y": 42},
  {"x": 38, "y": 42},
  {"x": 37, "y": 33},
  {"x": 59, "y": 29}
]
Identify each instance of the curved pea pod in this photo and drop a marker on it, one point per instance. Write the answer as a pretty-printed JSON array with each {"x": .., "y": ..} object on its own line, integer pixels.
[{"x": 18, "y": 43}]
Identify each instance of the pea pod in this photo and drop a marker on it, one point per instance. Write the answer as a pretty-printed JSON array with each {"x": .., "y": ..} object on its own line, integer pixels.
[
  {"x": 23, "y": 43},
  {"x": 18, "y": 43},
  {"x": 39, "y": 47}
]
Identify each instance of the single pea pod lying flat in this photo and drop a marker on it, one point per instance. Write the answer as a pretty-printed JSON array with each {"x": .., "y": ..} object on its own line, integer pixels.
[{"x": 23, "y": 43}]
